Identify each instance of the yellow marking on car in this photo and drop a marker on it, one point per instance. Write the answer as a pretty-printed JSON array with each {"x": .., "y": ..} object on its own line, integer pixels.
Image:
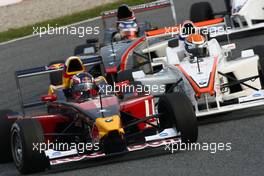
[{"x": 107, "y": 124}]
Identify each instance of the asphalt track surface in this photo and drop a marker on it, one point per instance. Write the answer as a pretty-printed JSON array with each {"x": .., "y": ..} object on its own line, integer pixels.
[{"x": 243, "y": 129}]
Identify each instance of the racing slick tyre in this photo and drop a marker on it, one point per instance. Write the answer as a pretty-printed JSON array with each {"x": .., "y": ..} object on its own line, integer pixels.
[
  {"x": 56, "y": 77},
  {"x": 5, "y": 127},
  {"x": 25, "y": 134},
  {"x": 201, "y": 11},
  {"x": 259, "y": 50},
  {"x": 176, "y": 110}
]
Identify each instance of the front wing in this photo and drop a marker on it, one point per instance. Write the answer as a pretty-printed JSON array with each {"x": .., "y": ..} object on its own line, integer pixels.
[
  {"x": 164, "y": 139},
  {"x": 254, "y": 100}
]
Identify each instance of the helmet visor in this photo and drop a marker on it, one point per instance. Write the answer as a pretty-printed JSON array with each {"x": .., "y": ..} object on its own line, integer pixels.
[{"x": 83, "y": 87}]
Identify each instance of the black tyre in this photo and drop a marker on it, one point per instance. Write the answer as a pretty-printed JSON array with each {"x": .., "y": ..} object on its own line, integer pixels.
[
  {"x": 259, "y": 50},
  {"x": 228, "y": 5},
  {"x": 201, "y": 11},
  {"x": 24, "y": 134},
  {"x": 177, "y": 110},
  {"x": 56, "y": 77},
  {"x": 5, "y": 128}
]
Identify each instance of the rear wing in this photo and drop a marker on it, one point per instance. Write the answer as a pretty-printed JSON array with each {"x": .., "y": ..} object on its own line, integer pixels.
[{"x": 33, "y": 72}]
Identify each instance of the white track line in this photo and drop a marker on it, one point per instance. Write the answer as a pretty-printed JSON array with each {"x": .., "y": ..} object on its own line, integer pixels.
[{"x": 35, "y": 35}]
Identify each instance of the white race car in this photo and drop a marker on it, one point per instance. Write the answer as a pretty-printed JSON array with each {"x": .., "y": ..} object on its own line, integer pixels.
[
  {"x": 214, "y": 81},
  {"x": 241, "y": 17}
]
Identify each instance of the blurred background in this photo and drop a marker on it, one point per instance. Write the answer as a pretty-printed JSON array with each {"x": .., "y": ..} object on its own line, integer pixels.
[{"x": 19, "y": 13}]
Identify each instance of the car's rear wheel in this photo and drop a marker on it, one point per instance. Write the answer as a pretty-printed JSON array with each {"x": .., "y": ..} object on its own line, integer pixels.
[
  {"x": 56, "y": 77},
  {"x": 5, "y": 127},
  {"x": 176, "y": 110},
  {"x": 259, "y": 50},
  {"x": 201, "y": 11},
  {"x": 26, "y": 134}
]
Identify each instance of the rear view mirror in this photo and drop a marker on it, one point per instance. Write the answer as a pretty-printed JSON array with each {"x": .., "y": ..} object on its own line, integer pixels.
[{"x": 89, "y": 50}]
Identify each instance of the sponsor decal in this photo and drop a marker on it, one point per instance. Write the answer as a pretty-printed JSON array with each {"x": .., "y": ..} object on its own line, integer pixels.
[
  {"x": 257, "y": 95},
  {"x": 57, "y": 153},
  {"x": 55, "y": 66},
  {"x": 202, "y": 83},
  {"x": 163, "y": 134},
  {"x": 109, "y": 120}
]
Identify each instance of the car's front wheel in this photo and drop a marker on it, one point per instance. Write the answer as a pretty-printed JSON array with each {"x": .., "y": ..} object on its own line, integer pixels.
[
  {"x": 176, "y": 110},
  {"x": 25, "y": 135},
  {"x": 5, "y": 127},
  {"x": 259, "y": 50}
]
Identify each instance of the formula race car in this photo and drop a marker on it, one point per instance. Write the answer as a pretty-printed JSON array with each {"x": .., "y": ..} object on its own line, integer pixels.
[
  {"x": 126, "y": 26},
  {"x": 206, "y": 72},
  {"x": 122, "y": 56},
  {"x": 121, "y": 25},
  {"x": 242, "y": 18},
  {"x": 106, "y": 124}
]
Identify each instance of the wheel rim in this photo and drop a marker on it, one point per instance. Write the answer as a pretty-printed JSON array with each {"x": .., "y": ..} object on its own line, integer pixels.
[{"x": 17, "y": 148}]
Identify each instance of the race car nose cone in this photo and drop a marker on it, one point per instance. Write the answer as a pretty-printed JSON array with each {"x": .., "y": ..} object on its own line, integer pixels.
[{"x": 107, "y": 124}]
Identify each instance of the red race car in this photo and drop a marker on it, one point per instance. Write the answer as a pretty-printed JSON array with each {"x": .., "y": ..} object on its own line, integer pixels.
[{"x": 95, "y": 126}]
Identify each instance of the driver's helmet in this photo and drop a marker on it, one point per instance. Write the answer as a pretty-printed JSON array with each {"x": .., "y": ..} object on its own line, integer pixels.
[
  {"x": 126, "y": 23},
  {"x": 195, "y": 45},
  {"x": 124, "y": 13},
  {"x": 83, "y": 85},
  {"x": 128, "y": 29},
  {"x": 187, "y": 29}
]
